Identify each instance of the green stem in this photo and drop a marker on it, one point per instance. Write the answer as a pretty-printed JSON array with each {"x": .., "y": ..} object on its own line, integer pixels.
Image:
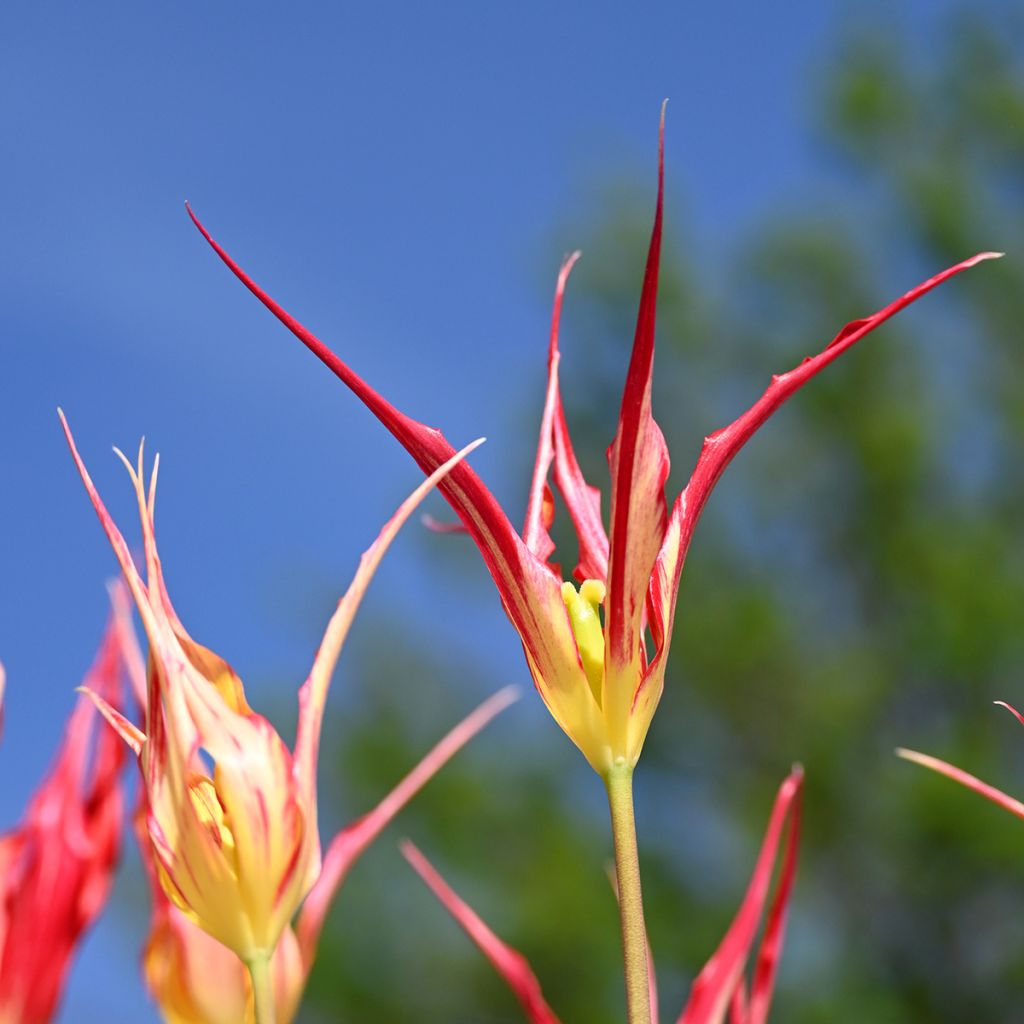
[
  {"x": 619, "y": 782},
  {"x": 262, "y": 990}
]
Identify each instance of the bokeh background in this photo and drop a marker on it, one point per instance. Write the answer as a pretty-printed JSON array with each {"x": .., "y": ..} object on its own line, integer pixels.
[{"x": 406, "y": 179}]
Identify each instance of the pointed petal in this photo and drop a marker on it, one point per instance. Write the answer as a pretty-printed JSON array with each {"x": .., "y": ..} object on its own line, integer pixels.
[
  {"x": 530, "y": 595},
  {"x": 131, "y": 653},
  {"x": 997, "y": 796},
  {"x": 638, "y": 460},
  {"x": 721, "y": 447},
  {"x": 582, "y": 500},
  {"x": 442, "y": 526},
  {"x": 768, "y": 956},
  {"x": 132, "y": 735},
  {"x": 1013, "y": 711},
  {"x": 313, "y": 693},
  {"x": 348, "y": 845},
  {"x": 540, "y": 509},
  {"x": 584, "y": 504},
  {"x": 713, "y": 991},
  {"x": 508, "y": 962}
]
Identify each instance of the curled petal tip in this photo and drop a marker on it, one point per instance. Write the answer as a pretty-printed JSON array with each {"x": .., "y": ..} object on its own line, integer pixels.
[{"x": 1013, "y": 711}]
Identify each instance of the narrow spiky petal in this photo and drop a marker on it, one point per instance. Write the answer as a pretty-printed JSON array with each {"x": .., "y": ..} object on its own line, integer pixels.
[
  {"x": 717, "y": 452},
  {"x": 350, "y": 843},
  {"x": 1009, "y": 707},
  {"x": 997, "y": 796},
  {"x": 714, "y": 989},
  {"x": 582, "y": 500},
  {"x": 508, "y": 962},
  {"x": 721, "y": 447},
  {"x": 509, "y": 560},
  {"x": 639, "y": 464},
  {"x": 313, "y": 693},
  {"x": 529, "y": 592},
  {"x": 540, "y": 507}
]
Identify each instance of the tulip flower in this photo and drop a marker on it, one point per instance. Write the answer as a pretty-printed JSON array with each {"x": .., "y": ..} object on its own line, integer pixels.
[
  {"x": 235, "y": 847},
  {"x": 586, "y": 649},
  {"x": 720, "y": 991},
  {"x": 196, "y": 980},
  {"x": 1008, "y": 803},
  {"x": 56, "y": 867},
  {"x": 597, "y": 654}
]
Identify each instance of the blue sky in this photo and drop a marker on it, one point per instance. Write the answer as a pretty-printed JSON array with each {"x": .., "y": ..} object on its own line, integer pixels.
[{"x": 392, "y": 173}]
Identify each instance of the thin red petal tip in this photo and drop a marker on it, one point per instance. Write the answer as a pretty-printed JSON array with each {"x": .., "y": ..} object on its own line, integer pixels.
[{"x": 1013, "y": 711}]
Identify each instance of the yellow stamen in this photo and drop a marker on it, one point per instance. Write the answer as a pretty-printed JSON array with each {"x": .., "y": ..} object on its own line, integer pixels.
[{"x": 585, "y": 617}]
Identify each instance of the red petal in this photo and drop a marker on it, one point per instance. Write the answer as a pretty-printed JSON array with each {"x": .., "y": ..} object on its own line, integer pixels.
[
  {"x": 714, "y": 990},
  {"x": 1013, "y": 711},
  {"x": 531, "y": 596},
  {"x": 582, "y": 500},
  {"x": 639, "y": 467},
  {"x": 997, "y": 796},
  {"x": 348, "y": 845},
  {"x": 62, "y": 857},
  {"x": 508, "y": 962},
  {"x": 721, "y": 447}
]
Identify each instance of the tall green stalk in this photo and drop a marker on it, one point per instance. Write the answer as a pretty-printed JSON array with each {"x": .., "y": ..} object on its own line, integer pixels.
[{"x": 619, "y": 783}]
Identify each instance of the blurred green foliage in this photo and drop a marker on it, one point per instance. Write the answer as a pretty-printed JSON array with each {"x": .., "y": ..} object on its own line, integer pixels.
[{"x": 857, "y": 583}]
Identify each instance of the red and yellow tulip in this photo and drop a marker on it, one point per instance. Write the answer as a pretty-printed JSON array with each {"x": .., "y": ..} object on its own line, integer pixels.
[
  {"x": 721, "y": 990},
  {"x": 597, "y": 655},
  {"x": 196, "y": 980},
  {"x": 230, "y": 811},
  {"x": 56, "y": 867}
]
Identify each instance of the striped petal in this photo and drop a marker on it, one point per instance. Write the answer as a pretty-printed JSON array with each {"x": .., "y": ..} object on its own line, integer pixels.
[
  {"x": 639, "y": 464},
  {"x": 529, "y": 592},
  {"x": 717, "y": 452},
  {"x": 714, "y": 993},
  {"x": 555, "y": 446},
  {"x": 508, "y": 962},
  {"x": 232, "y": 849},
  {"x": 721, "y": 447}
]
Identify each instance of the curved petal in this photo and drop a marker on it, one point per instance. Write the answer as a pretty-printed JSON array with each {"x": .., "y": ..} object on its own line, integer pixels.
[
  {"x": 582, "y": 500},
  {"x": 508, "y": 962},
  {"x": 714, "y": 990},
  {"x": 554, "y": 446},
  {"x": 348, "y": 845},
  {"x": 717, "y": 452},
  {"x": 722, "y": 446},
  {"x": 313, "y": 693},
  {"x": 997, "y": 796},
  {"x": 529, "y": 593}
]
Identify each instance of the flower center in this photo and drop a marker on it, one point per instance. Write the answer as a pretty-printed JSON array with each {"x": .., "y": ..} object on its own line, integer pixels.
[{"x": 585, "y": 617}]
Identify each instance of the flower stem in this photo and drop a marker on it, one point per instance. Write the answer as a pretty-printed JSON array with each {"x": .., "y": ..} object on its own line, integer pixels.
[
  {"x": 619, "y": 782},
  {"x": 264, "y": 1011}
]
